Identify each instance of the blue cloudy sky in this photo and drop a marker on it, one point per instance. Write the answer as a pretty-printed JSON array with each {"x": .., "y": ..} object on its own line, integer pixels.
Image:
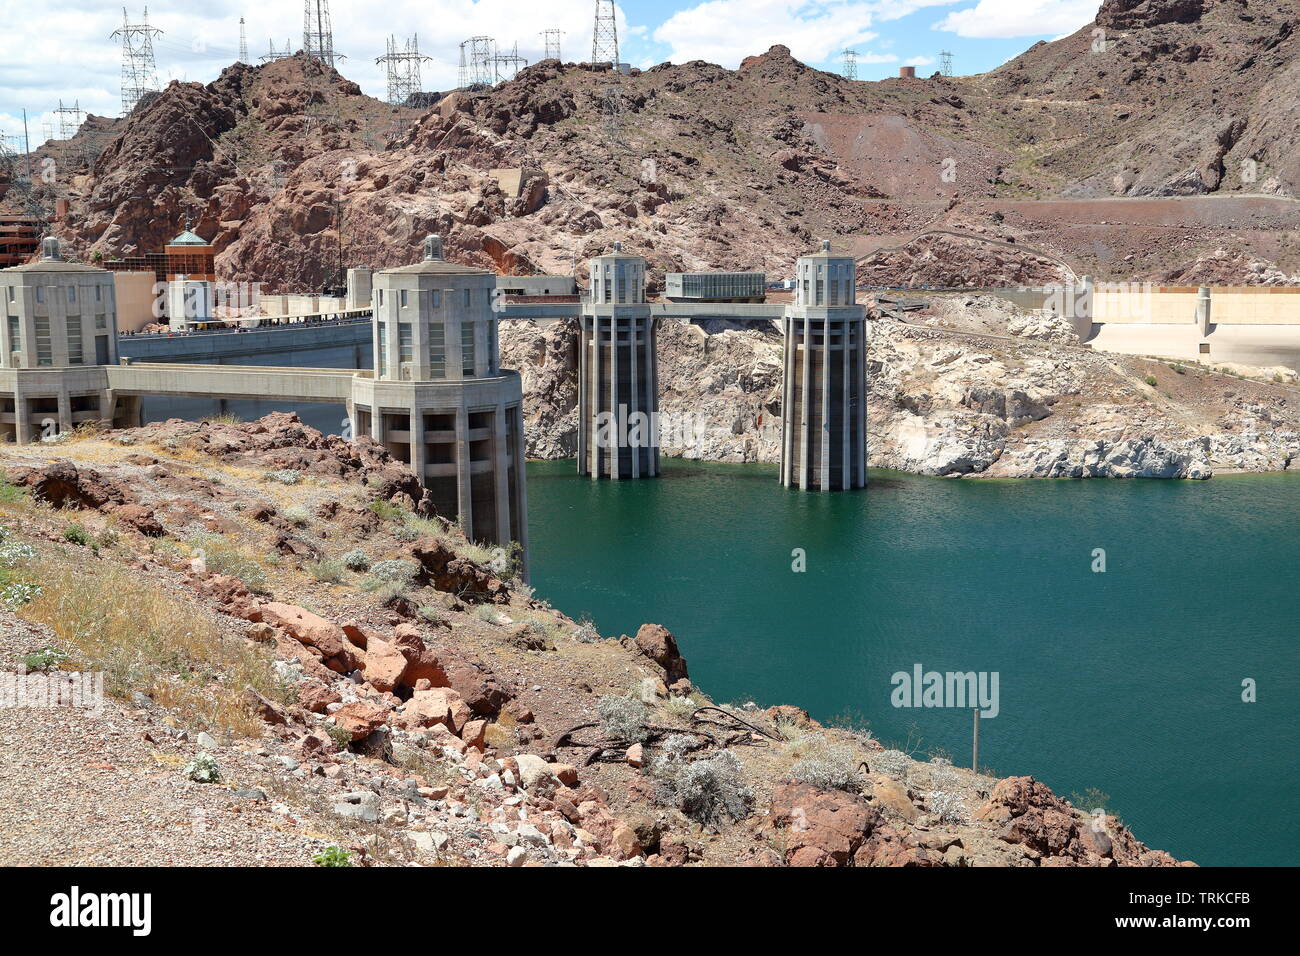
[{"x": 61, "y": 49}]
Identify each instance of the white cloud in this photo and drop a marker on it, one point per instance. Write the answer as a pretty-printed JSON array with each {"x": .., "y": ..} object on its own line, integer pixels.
[
  {"x": 919, "y": 61},
  {"x": 1003, "y": 19},
  {"x": 727, "y": 31}
]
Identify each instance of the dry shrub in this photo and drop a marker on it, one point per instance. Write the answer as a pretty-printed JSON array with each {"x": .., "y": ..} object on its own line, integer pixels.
[{"x": 145, "y": 639}]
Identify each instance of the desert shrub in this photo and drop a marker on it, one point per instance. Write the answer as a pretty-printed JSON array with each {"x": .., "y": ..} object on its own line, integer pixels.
[
  {"x": 947, "y": 806},
  {"x": 432, "y": 614},
  {"x": 681, "y": 707},
  {"x": 487, "y": 613},
  {"x": 586, "y": 632},
  {"x": 711, "y": 791},
  {"x": 222, "y": 556},
  {"x": 286, "y": 476},
  {"x": 624, "y": 718},
  {"x": 11, "y": 493},
  {"x": 1150, "y": 380},
  {"x": 356, "y": 560},
  {"x": 333, "y": 856},
  {"x": 328, "y": 571},
  {"x": 203, "y": 769},
  {"x": 892, "y": 762},
  {"x": 296, "y": 515},
  {"x": 76, "y": 534},
  {"x": 827, "y": 766},
  {"x": 386, "y": 509},
  {"x": 44, "y": 660},
  {"x": 397, "y": 571}
]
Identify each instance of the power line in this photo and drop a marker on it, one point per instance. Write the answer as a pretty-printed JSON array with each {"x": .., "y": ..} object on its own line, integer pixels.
[
  {"x": 139, "y": 72},
  {"x": 945, "y": 63},
  {"x": 604, "y": 35},
  {"x": 551, "y": 38}
]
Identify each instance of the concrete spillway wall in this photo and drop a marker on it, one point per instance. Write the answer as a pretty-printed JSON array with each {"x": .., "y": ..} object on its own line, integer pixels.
[{"x": 1247, "y": 325}]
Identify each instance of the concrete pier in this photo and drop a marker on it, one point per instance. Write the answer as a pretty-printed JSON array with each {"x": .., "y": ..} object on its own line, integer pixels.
[
  {"x": 618, "y": 383},
  {"x": 824, "y": 410}
]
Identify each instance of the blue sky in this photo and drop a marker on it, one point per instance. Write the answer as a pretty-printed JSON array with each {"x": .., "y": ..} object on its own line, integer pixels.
[{"x": 61, "y": 49}]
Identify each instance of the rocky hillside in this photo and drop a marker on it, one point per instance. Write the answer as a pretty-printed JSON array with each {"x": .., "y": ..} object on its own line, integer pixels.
[
  {"x": 1129, "y": 153},
  {"x": 303, "y": 665}
]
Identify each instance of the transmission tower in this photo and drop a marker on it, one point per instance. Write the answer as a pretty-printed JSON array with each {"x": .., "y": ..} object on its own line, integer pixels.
[
  {"x": 850, "y": 64},
  {"x": 477, "y": 62},
  {"x": 139, "y": 73},
  {"x": 273, "y": 54},
  {"x": 403, "y": 69},
  {"x": 243, "y": 42},
  {"x": 70, "y": 119},
  {"x": 604, "y": 36},
  {"x": 945, "y": 63},
  {"x": 551, "y": 38},
  {"x": 317, "y": 35},
  {"x": 506, "y": 65}
]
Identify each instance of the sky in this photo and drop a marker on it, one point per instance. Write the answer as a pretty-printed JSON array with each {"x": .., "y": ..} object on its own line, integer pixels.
[{"x": 62, "y": 50}]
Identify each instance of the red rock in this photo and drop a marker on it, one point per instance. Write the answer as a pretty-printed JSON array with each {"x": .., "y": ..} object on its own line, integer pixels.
[
  {"x": 635, "y": 755},
  {"x": 473, "y": 733},
  {"x": 360, "y": 718},
  {"x": 316, "y": 696},
  {"x": 337, "y": 652},
  {"x": 441, "y": 705},
  {"x": 385, "y": 664},
  {"x": 139, "y": 518},
  {"x": 657, "y": 643}
]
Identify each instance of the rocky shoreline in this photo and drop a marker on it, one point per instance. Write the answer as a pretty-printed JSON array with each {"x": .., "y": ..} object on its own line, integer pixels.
[{"x": 356, "y": 683}]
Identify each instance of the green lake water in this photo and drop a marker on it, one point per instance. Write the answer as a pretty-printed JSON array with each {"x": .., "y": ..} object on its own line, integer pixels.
[{"x": 1129, "y": 681}]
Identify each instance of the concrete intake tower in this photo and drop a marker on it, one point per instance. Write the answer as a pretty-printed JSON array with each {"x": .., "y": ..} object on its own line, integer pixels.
[
  {"x": 824, "y": 407},
  {"x": 618, "y": 383}
]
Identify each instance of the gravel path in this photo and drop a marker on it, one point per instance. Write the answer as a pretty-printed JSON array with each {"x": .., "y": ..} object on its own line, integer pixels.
[{"x": 83, "y": 790}]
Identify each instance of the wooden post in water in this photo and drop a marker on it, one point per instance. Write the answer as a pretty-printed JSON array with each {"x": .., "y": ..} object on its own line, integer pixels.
[{"x": 975, "y": 743}]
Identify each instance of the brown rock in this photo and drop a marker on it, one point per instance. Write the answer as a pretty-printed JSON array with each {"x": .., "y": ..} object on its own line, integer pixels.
[
  {"x": 336, "y": 651},
  {"x": 360, "y": 718}
]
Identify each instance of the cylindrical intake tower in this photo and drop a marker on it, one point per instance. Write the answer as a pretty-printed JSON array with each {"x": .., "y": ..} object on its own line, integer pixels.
[{"x": 824, "y": 412}]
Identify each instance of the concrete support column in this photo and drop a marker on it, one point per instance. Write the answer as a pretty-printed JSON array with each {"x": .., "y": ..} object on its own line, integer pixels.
[
  {"x": 583, "y": 373},
  {"x": 652, "y": 383},
  {"x": 65, "y": 412},
  {"x": 23, "y": 426},
  {"x": 846, "y": 411},
  {"x": 1203, "y": 314},
  {"x": 419, "y": 453},
  {"x": 593, "y": 401},
  {"x": 824, "y": 460},
  {"x": 634, "y": 338},
  {"x": 860, "y": 389},
  {"x": 500, "y": 475},
  {"x": 521, "y": 484},
  {"x": 805, "y": 403},
  {"x": 615, "y": 468},
  {"x": 464, "y": 497}
]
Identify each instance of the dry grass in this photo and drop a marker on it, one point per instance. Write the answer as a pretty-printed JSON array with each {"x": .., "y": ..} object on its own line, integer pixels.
[{"x": 145, "y": 639}]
